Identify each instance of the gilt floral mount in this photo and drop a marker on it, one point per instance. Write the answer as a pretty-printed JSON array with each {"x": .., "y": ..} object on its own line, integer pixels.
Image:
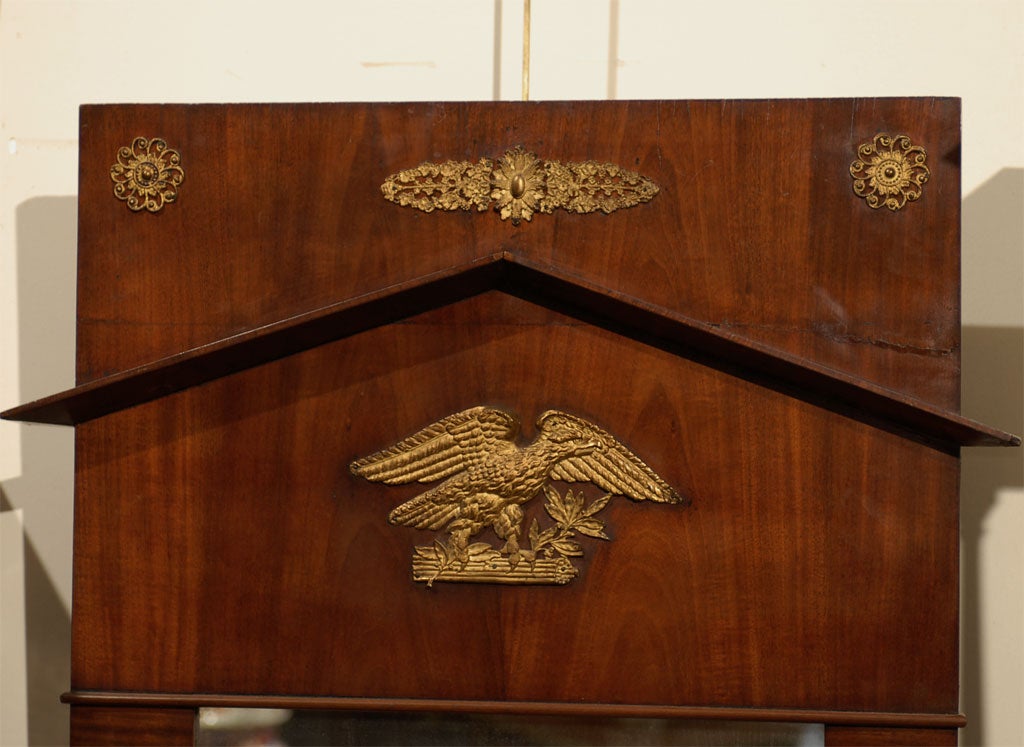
[
  {"x": 147, "y": 174},
  {"x": 889, "y": 171},
  {"x": 486, "y": 479},
  {"x": 519, "y": 184}
]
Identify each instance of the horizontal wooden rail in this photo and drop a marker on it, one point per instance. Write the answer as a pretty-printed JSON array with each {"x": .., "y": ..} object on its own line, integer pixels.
[{"x": 512, "y": 707}]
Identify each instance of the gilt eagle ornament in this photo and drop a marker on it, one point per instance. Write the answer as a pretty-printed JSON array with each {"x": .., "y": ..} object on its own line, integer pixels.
[{"x": 485, "y": 478}]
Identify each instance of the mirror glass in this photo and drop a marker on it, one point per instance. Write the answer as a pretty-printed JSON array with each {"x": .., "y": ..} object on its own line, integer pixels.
[{"x": 220, "y": 727}]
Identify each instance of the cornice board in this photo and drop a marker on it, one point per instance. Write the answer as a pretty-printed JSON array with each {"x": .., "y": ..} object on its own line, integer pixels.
[{"x": 756, "y": 225}]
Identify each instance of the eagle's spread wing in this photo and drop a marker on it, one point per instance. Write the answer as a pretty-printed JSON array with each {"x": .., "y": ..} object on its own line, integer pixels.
[
  {"x": 610, "y": 466},
  {"x": 432, "y": 509},
  {"x": 443, "y": 449}
]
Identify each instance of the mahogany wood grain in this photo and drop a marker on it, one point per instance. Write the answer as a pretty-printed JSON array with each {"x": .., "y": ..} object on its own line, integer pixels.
[
  {"x": 756, "y": 228},
  {"x": 132, "y": 727},
  {"x": 233, "y": 532}
]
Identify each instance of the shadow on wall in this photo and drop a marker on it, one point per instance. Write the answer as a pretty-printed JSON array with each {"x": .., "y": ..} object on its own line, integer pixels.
[
  {"x": 46, "y": 230},
  {"x": 47, "y": 646},
  {"x": 993, "y": 372},
  {"x": 47, "y": 246}
]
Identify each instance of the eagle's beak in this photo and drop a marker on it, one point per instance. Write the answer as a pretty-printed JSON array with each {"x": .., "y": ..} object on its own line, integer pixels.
[{"x": 587, "y": 447}]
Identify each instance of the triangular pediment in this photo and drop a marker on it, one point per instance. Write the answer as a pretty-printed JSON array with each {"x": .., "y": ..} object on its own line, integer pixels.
[{"x": 545, "y": 285}]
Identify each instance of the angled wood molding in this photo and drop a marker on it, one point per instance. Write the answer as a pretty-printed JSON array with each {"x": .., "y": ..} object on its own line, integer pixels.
[{"x": 542, "y": 284}]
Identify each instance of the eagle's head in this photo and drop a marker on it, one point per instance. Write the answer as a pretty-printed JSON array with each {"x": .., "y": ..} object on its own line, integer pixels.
[{"x": 568, "y": 434}]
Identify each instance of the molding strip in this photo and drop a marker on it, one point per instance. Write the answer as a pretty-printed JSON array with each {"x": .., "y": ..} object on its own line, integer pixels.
[
  {"x": 523, "y": 708},
  {"x": 542, "y": 284}
]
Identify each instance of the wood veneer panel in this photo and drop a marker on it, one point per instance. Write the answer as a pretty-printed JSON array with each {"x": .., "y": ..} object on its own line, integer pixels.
[
  {"x": 132, "y": 727},
  {"x": 222, "y": 521},
  {"x": 756, "y": 228}
]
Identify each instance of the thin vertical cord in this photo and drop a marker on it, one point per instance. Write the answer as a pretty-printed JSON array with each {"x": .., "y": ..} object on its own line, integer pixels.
[
  {"x": 526, "y": 50},
  {"x": 496, "y": 64},
  {"x": 613, "y": 49}
]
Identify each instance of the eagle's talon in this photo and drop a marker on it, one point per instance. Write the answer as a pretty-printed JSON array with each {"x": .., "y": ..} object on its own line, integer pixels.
[{"x": 511, "y": 546}]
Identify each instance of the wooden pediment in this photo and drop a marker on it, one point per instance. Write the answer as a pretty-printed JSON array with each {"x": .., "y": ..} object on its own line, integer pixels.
[{"x": 548, "y": 286}]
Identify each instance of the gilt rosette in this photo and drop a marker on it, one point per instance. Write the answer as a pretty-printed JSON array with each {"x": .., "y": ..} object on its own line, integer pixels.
[
  {"x": 147, "y": 174},
  {"x": 889, "y": 171}
]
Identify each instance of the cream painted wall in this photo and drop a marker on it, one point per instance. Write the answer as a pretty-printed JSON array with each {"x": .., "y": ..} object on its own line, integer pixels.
[{"x": 56, "y": 54}]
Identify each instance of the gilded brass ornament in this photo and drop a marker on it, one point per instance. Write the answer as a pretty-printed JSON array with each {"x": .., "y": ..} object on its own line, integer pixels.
[
  {"x": 519, "y": 184},
  {"x": 147, "y": 174},
  {"x": 487, "y": 479},
  {"x": 889, "y": 171}
]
